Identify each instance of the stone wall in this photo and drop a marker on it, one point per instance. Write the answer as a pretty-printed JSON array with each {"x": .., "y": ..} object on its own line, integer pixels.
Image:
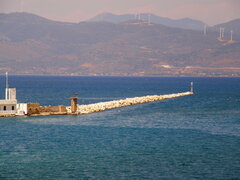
[
  {"x": 33, "y": 108},
  {"x": 53, "y": 109},
  {"x": 36, "y": 109}
]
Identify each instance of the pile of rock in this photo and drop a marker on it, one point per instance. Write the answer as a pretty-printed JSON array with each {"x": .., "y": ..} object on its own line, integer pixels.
[{"x": 86, "y": 109}]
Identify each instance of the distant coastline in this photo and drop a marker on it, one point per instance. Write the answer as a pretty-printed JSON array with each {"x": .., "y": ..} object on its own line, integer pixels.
[{"x": 164, "y": 76}]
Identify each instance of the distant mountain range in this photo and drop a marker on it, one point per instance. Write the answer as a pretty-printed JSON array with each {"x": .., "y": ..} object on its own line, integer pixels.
[
  {"x": 30, "y": 44},
  {"x": 185, "y": 23}
]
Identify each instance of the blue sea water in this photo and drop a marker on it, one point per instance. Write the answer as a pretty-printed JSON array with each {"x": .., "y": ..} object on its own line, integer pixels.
[{"x": 192, "y": 137}]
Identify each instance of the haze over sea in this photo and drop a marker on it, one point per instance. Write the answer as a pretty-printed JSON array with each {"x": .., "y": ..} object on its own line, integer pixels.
[{"x": 192, "y": 137}]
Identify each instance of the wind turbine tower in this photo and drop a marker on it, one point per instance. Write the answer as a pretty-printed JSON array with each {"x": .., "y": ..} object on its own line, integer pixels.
[
  {"x": 149, "y": 19},
  {"x": 231, "y": 35},
  {"x": 222, "y": 33},
  {"x": 205, "y": 29}
]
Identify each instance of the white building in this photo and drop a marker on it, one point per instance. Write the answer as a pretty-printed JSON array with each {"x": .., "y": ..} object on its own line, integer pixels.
[
  {"x": 8, "y": 106},
  {"x": 22, "y": 109}
]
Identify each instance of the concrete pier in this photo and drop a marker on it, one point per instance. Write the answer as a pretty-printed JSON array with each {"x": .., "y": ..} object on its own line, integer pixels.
[{"x": 90, "y": 108}]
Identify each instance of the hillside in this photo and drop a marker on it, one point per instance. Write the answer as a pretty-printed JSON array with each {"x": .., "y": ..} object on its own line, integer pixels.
[
  {"x": 33, "y": 45},
  {"x": 185, "y": 23},
  {"x": 233, "y": 25}
]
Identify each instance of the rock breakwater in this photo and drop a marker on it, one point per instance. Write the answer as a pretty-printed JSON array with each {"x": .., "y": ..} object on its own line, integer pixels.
[{"x": 90, "y": 108}]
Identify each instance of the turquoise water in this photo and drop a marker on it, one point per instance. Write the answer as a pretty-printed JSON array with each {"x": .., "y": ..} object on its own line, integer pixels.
[{"x": 192, "y": 137}]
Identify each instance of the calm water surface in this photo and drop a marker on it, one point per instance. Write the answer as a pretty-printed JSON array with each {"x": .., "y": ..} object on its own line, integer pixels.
[{"x": 193, "y": 137}]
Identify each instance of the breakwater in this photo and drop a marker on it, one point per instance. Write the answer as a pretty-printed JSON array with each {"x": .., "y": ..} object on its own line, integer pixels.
[
  {"x": 101, "y": 106},
  {"x": 34, "y": 109}
]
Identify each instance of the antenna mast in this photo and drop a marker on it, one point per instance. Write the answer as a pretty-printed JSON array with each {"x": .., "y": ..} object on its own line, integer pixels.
[
  {"x": 6, "y": 80},
  {"x": 6, "y": 91}
]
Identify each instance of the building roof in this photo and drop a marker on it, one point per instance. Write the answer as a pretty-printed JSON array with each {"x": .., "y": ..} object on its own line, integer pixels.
[{"x": 5, "y": 102}]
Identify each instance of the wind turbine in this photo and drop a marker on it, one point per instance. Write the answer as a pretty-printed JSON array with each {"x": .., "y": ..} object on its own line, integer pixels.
[
  {"x": 149, "y": 19},
  {"x": 231, "y": 35},
  {"x": 222, "y": 33},
  {"x": 205, "y": 29}
]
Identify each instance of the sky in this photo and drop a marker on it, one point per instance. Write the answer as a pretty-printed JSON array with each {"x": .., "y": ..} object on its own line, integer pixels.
[{"x": 209, "y": 11}]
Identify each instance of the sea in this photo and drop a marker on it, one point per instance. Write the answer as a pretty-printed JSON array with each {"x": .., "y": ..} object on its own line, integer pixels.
[{"x": 191, "y": 137}]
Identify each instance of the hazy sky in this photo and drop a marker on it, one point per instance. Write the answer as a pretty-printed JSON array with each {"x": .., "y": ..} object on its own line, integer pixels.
[{"x": 209, "y": 11}]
